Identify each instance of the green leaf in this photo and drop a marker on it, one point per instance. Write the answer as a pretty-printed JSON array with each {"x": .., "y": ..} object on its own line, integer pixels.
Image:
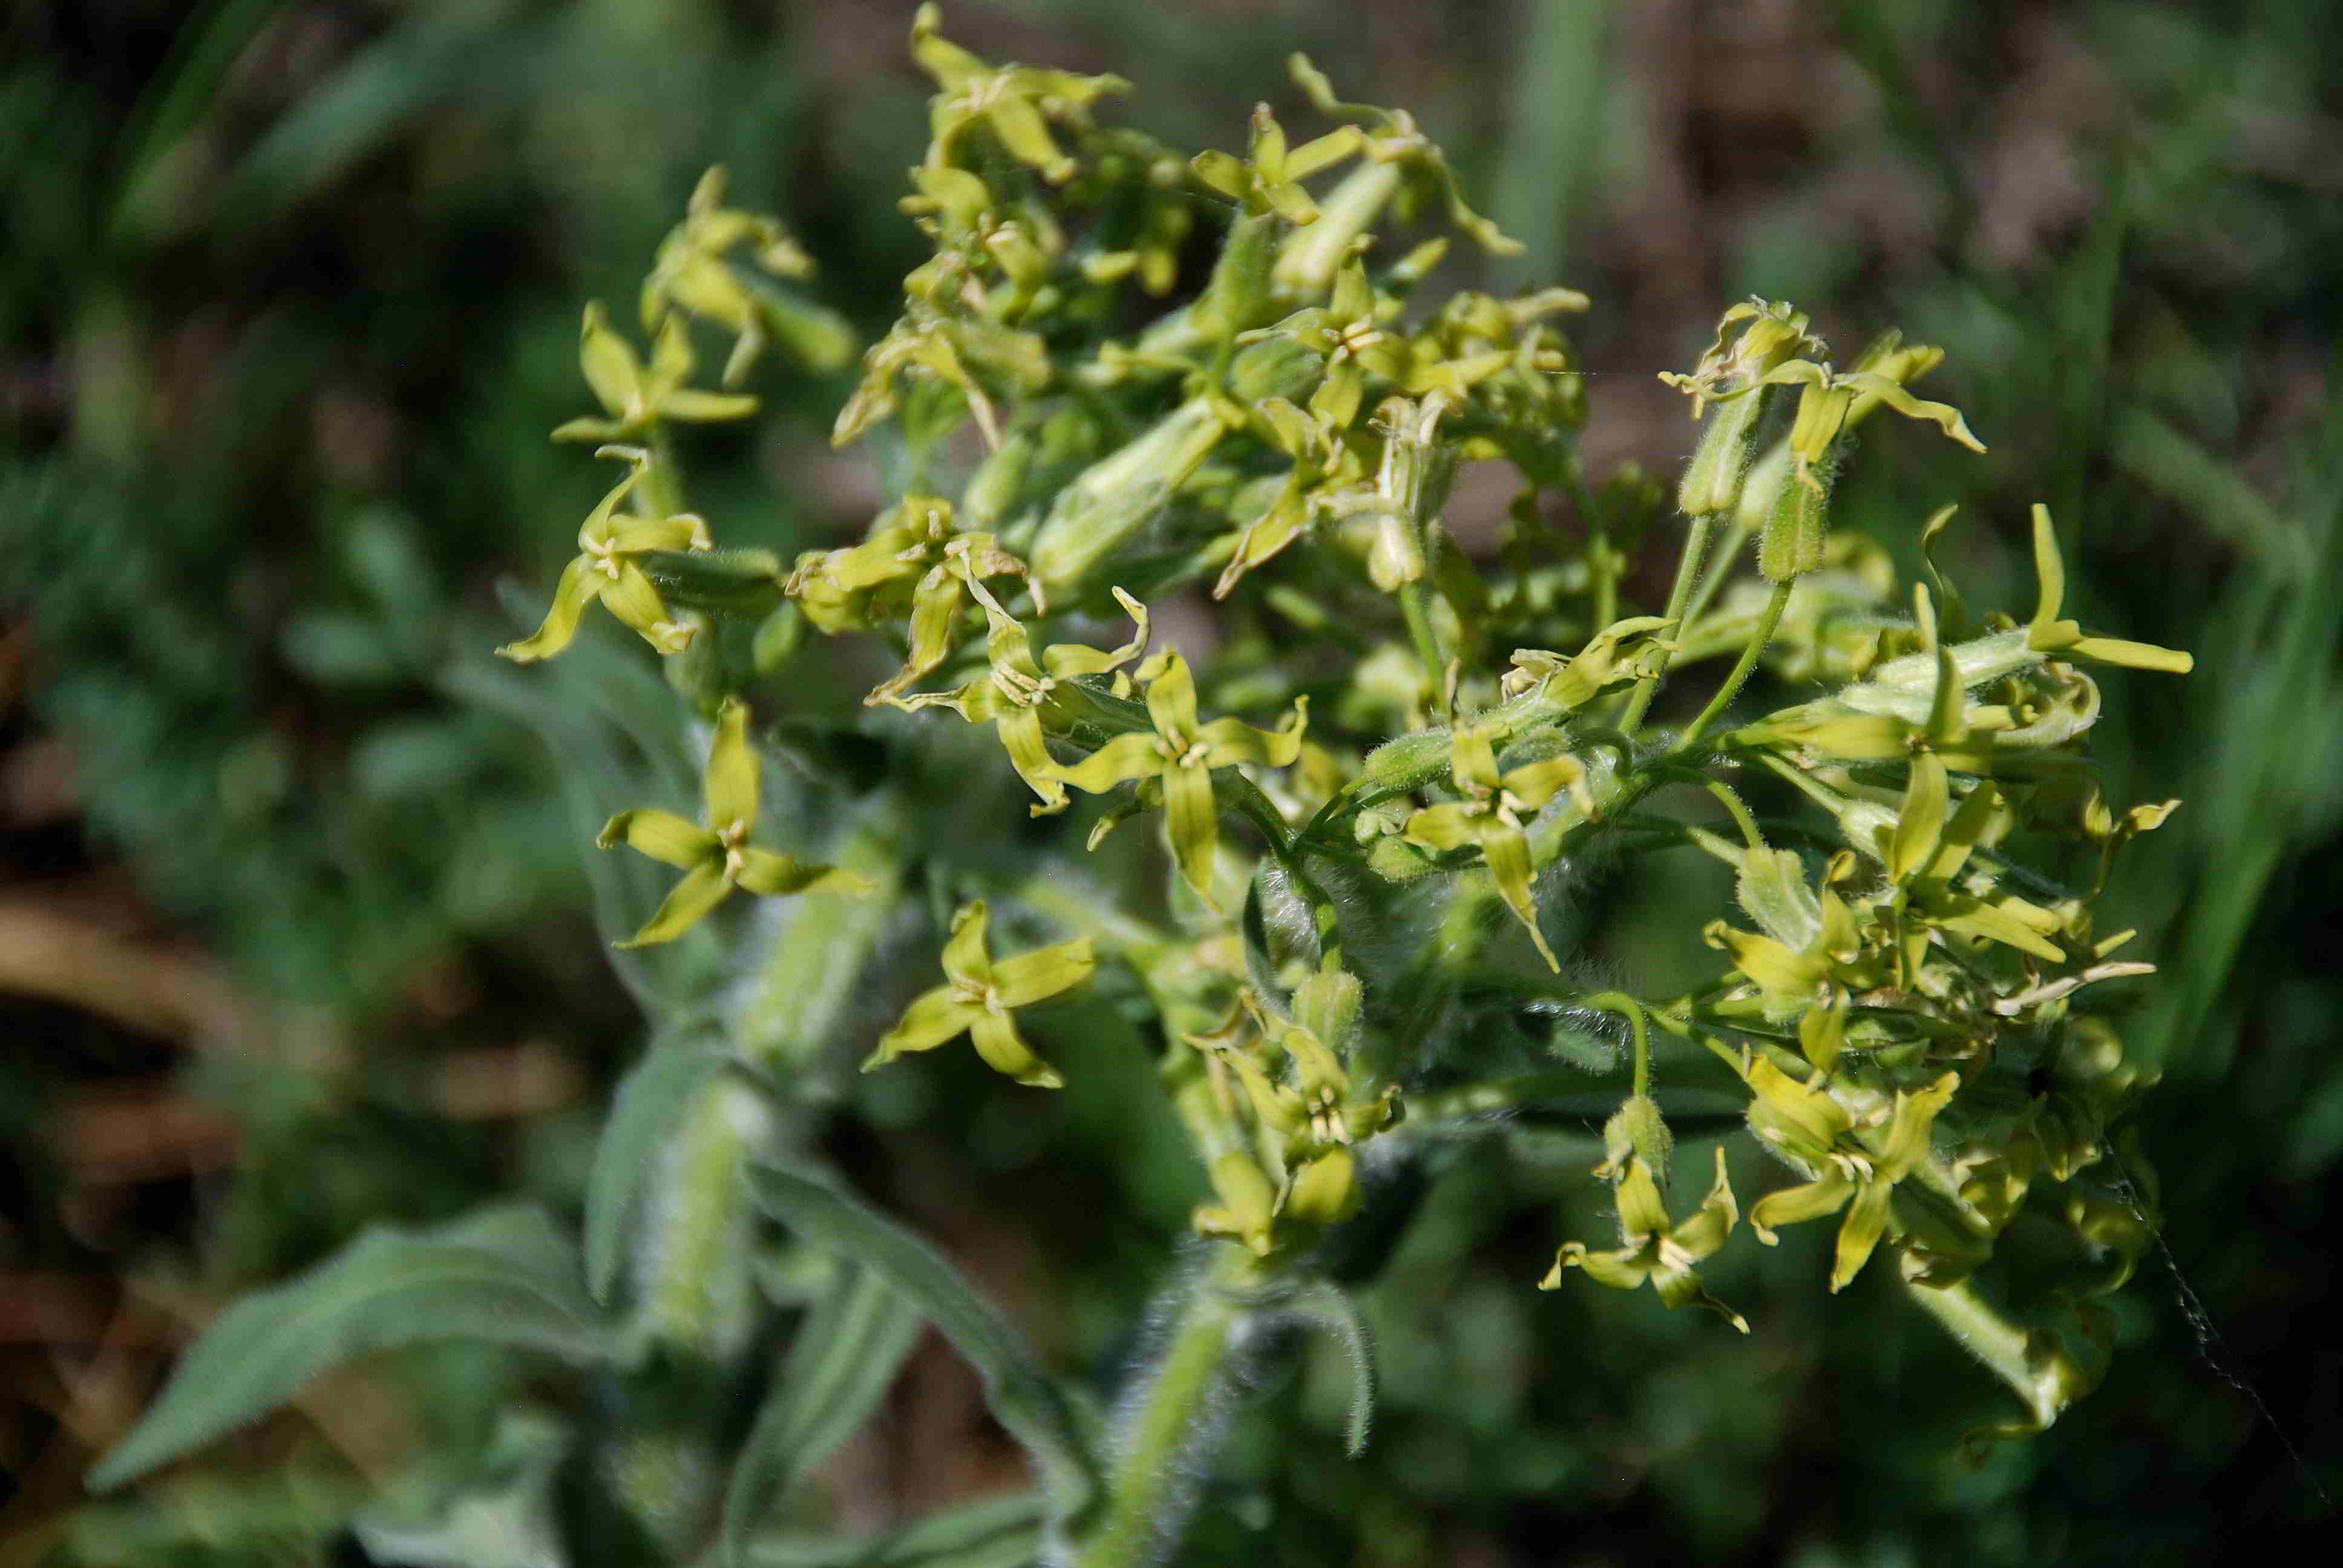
[
  {"x": 1034, "y": 1410},
  {"x": 1327, "y": 1306},
  {"x": 995, "y": 1533},
  {"x": 475, "y": 1510},
  {"x": 841, "y": 1365},
  {"x": 503, "y": 1275},
  {"x": 651, "y": 1101}
]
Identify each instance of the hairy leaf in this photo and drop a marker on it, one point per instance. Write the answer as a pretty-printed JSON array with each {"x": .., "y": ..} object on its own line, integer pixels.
[
  {"x": 1034, "y": 1410},
  {"x": 503, "y": 1275}
]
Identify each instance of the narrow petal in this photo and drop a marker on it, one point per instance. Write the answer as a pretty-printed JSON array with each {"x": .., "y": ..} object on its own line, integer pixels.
[
  {"x": 703, "y": 889},
  {"x": 966, "y": 958},
  {"x": 1449, "y": 825},
  {"x": 771, "y": 874},
  {"x": 1191, "y": 824},
  {"x": 635, "y": 602},
  {"x": 663, "y": 835},
  {"x": 933, "y": 1018},
  {"x": 1228, "y": 741},
  {"x": 571, "y": 598},
  {"x": 1792, "y": 1204},
  {"x": 706, "y": 407},
  {"x": 1508, "y": 853},
  {"x": 1019, "y": 729},
  {"x": 1030, "y": 977},
  {"x": 1640, "y": 1210},
  {"x": 683, "y": 531},
  {"x": 1621, "y": 1270},
  {"x": 1119, "y": 762},
  {"x": 1004, "y": 1051},
  {"x": 1172, "y": 697},
  {"x": 1859, "y": 1232},
  {"x": 609, "y": 360},
  {"x": 730, "y": 781},
  {"x": 671, "y": 362}
]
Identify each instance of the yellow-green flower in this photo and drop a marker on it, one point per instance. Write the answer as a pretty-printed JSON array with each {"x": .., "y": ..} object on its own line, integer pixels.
[
  {"x": 1015, "y": 691},
  {"x": 1657, "y": 1251},
  {"x": 1814, "y": 1128},
  {"x": 694, "y": 273},
  {"x": 916, "y": 564},
  {"x": 636, "y": 397},
  {"x": 605, "y": 569},
  {"x": 1269, "y": 177},
  {"x": 1350, "y": 332},
  {"x": 979, "y": 996},
  {"x": 1016, "y": 102},
  {"x": 1181, "y": 754},
  {"x": 1489, "y": 817},
  {"x": 718, "y": 858}
]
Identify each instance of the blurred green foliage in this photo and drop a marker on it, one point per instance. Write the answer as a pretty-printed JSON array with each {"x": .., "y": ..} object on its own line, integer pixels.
[{"x": 287, "y": 307}]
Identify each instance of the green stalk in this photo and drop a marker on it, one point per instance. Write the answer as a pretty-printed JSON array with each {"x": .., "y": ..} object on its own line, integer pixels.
[
  {"x": 1169, "y": 1426},
  {"x": 1687, "y": 571},
  {"x": 1414, "y": 605},
  {"x": 1766, "y": 624}
]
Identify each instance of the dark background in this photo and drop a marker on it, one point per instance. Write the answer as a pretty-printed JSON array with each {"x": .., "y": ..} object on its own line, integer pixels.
[{"x": 290, "y": 941}]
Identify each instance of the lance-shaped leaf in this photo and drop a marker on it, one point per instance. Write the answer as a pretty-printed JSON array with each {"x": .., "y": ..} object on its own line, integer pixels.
[
  {"x": 607, "y": 569},
  {"x": 1657, "y": 1251},
  {"x": 1180, "y": 753},
  {"x": 2067, "y": 639},
  {"x": 1490, "y": 818},
  {"x": 1015, "y": 691},
  {"x": 635, "y": 395},
  {"x": 1857, "y": 1178},
  {"x": 717, "y": 857},
  {"x": 505, "y": 1276},
  {"x": 979, "y": 996}
]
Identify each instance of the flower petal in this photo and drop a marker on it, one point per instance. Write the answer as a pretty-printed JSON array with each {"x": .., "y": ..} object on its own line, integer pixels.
[
  {"x": 1119, "y": 762},
  {"x": 703, "y": 889},
  {"x": 663, "y": 835},
  {"x": 1191, "y": 824},
  {"x": 966, "y": 958},
  {"x": 730, "y": 780},
  {"x": 1030, "y": 977},
  {"x": 771, "y": 874},
  {"x": 609, "y": 360},
  {"x": 933, "y": 1018},
  {"x": 570, "y": 598},
  {"x": 1172, "y": 697},
  {"x": 1004, "y": 1050}
]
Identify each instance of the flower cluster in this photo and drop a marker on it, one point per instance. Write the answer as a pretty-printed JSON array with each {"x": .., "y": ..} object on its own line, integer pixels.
[{"x": 1397, "y": 754}]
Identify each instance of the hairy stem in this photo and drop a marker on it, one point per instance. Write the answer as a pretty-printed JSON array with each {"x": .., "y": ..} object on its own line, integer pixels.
[
  {"x": 1171, "y": 1422},
  {"x": 1687, "y": 572},
  {"x": 1766, "y": 624}
]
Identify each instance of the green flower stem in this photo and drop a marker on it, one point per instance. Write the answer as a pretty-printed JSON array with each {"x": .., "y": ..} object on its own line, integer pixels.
[
  {"x": 663, "y": 489},
  {"x": 1999, "y": 1344},
  {"x": 1415, "y": 605},
  {"x": 1495, "y": 1094},
  {"x": 1688, "y": 570},
  {"x": 1601, "y": 562},
  {"x": 1632, "y": 1010},
  {"x": 1720, "y": 568},
  {"x": 1766, "y": 624},
  {"x": 1170, "y": 1422}
]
